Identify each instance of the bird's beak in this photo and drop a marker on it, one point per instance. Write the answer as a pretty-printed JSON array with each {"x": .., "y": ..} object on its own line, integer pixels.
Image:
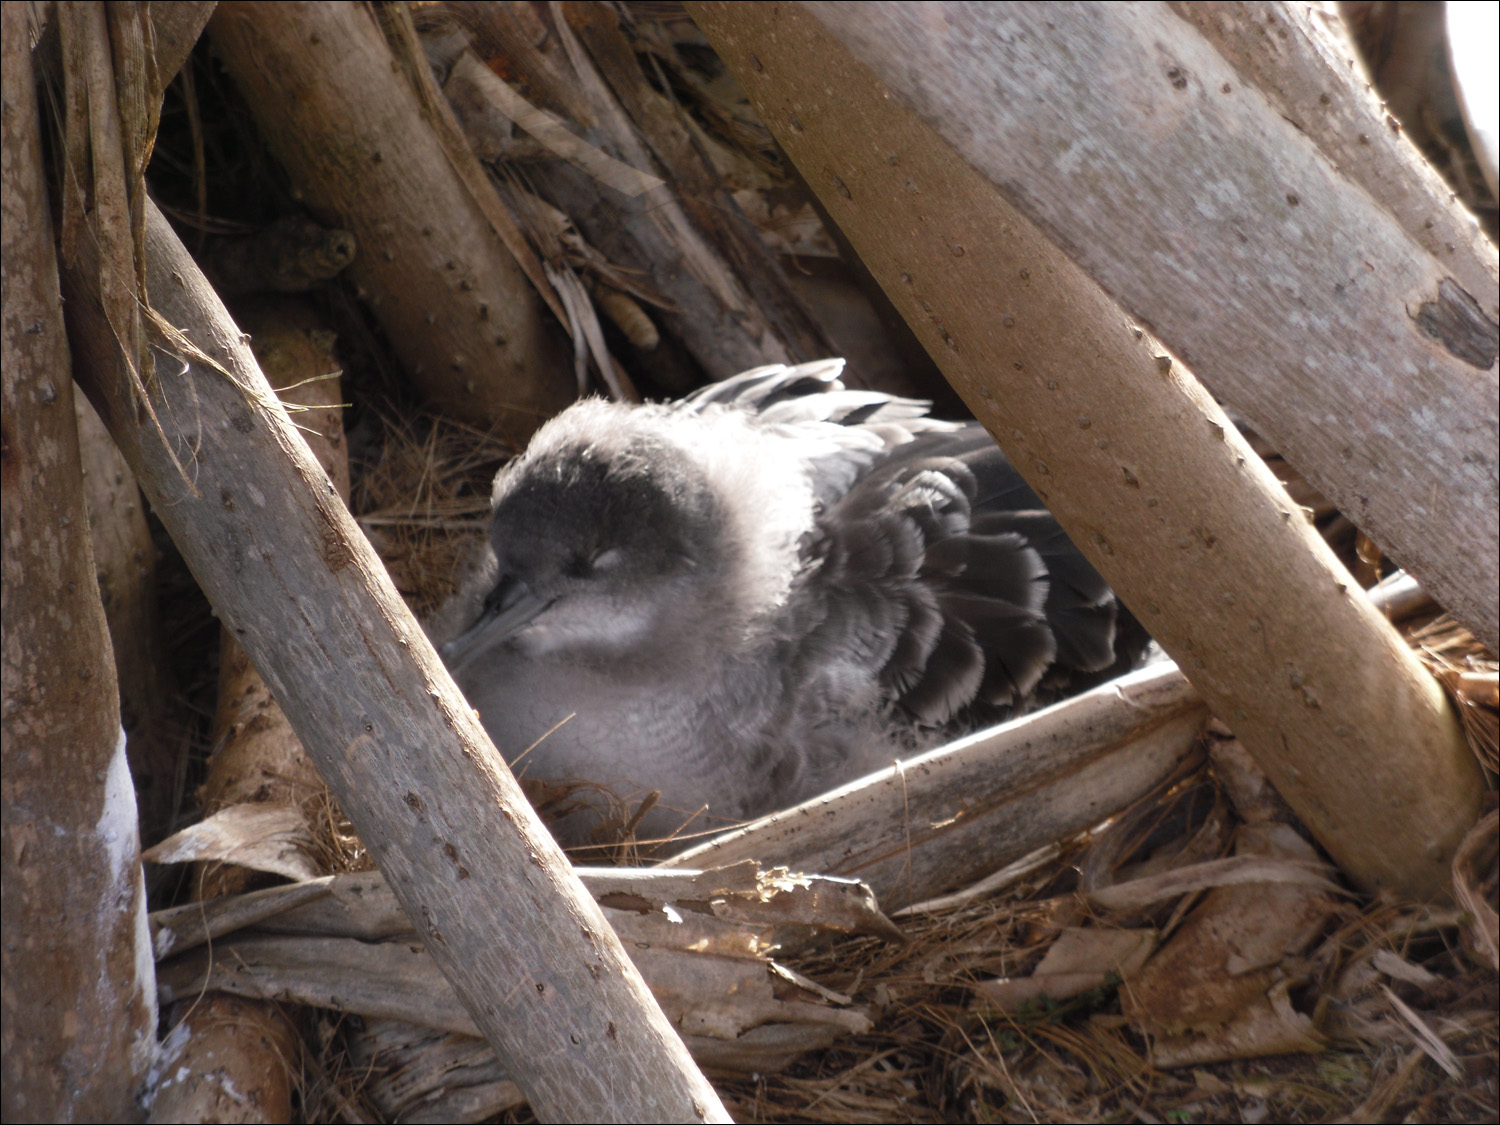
[{"x": 507, "y": 610}]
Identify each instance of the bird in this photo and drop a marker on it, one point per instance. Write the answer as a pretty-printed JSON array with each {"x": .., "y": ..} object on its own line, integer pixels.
[{"x": 776, "y": 585}]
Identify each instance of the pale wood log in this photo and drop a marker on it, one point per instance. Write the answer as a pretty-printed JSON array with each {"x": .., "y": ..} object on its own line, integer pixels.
[
  {"x": 260, "y": 525},
  {"x": 1135, "y": 147},
  {"x": 1301, "y": 60},
  {"x": 79, "y": 994},
  {"x": 1406, "y": 48},
  {"x": 1142, "y": 468},
  {"x": 238, "y": 1057},
  {"x": 258, "y": 757},
  {"x": 940, "y": 821},
  {"x": 360, "y": 151},
  {"x": 231, "y": 1060}
]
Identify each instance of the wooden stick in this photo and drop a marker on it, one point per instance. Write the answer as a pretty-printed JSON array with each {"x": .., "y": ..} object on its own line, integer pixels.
[
  {"x": 939, "y": 821},
  {"x": 1302, "y": 61},
  {"x": 713, "y": 311},
  {"x": 239, "y": 1043},
  {"x": 356, "y": 140},
  {"x": 261, "y": 527}
]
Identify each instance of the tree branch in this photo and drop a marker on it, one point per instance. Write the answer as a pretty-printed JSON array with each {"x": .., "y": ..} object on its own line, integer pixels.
[{"x": 261, "y": 527}]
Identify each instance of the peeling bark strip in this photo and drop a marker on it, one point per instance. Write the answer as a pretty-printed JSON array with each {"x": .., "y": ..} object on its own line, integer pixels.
[
  {"x": 1135, "y": 146},
  {"x": 1139, "y": 464},
  {"x": 528, "y": 952},
  {"x": 728, "y": 304},
  {"x": 125, "y": 563},
  {"x": 1456, "y": 321},
  {"x": 704, "y": 941},
  {"x": 553, "y": 134}
]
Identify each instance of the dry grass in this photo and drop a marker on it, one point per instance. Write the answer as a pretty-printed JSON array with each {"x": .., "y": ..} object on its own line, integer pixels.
[
  {"x": 938, "y": 1053},
  {"x": 1468, "y": 671},
  {"x": 422, "y": 500}
]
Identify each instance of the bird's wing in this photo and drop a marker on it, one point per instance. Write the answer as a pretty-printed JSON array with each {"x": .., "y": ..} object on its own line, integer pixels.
[
  {"x": 837, "y": 433},
  {"x": 933, "y": 565},
  {"x": 942, "y": 574},
  {"x": 764, "y": 386},
  {"x": 1080, "y": 608},
  {"x": 782, "y": 395}
]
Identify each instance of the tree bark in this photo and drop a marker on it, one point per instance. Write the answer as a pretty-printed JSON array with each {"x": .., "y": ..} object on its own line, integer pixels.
[
  {"x": 698, "y": 185},
  {"x": 125, "y": 558},
  {"x": 719, "y": 321},
  {"x": 229, "y": 1060},
  {"x": 236, "y": 1057},
  {"x": 258, "y": 757},
  {"x": 357, "y": 143},
  {"x": 177, "y": 27},
  {"x": 1299, "y": 58},
  {"x": 79, "y": 994},
  {"x": 1137, "y": 462},
  {"x": 260, "y": 525},
  {"x": 1136, "y": 148}
]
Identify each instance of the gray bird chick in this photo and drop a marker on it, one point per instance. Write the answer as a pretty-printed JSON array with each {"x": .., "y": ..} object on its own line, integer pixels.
[{"x": 775, "y": 586}]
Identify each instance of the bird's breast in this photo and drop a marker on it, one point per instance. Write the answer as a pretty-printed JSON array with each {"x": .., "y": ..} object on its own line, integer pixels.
[{"x": 557, "y": 720}]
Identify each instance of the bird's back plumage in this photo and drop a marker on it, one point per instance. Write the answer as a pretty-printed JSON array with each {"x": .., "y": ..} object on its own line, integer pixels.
[{"x": 776, "y": 585}]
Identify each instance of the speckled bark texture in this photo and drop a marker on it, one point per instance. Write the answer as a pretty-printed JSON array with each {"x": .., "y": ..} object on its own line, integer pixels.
[
  {"x": 79, "y": 992},
  {"x": 1303, "y": 304},
  {"x": 362, "y": 155}
]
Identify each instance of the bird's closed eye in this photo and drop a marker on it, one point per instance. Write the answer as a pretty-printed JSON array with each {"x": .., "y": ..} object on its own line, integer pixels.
[{"x": 605, "y": 560}]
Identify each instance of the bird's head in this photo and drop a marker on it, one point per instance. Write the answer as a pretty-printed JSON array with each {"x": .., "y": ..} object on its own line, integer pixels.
[{"x": 608, "y": 536}]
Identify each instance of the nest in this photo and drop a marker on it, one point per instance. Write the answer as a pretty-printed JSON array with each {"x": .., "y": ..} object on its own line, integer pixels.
[
  {"x": 1388, "y": 1008},
  {"x": 1401, "y": 1008}
]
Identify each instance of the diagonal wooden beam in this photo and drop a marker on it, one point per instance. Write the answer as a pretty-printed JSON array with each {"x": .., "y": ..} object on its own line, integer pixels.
[{"x": 262, "y": 528}]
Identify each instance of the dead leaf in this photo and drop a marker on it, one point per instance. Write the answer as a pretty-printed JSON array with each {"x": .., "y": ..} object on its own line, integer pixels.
[
  {"x": 1426, "y": 1038},
  {"x": 1080, "y": 959},
  {"x": 1220, "y": 988},
  {"x": 265, "y": 837},
  {"x": 1474, "y": 885}
]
